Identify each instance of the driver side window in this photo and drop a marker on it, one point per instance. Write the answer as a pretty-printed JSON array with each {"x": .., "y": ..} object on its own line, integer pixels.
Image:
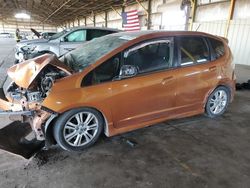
[
  {"x": 105, "y": 72},
  {"x": 76, "y": 36}
]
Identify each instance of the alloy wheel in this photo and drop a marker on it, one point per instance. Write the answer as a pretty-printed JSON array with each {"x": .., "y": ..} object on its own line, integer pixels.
[
  {"x": 218, "y": 102},
  {"x": 80, "y": 129}
]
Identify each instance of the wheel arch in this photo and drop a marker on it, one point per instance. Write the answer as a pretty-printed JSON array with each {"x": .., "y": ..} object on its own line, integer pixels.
[
  {"x": 227, "y": 86},
  {"x": 46, "y": 52}
]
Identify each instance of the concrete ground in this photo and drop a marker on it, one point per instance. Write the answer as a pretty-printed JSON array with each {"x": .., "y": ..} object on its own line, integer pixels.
[
  {"x": 191, "y": 152},
  {"x": 243, "y": 73}
]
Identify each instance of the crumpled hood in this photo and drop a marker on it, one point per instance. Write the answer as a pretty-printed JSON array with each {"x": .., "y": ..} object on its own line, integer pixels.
[
  {"x": 31, "y": 42},
  {"x": 23, "y": 74}
]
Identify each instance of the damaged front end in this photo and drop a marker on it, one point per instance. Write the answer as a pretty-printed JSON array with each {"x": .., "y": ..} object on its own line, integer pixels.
[{"x": 28, "y": 84}]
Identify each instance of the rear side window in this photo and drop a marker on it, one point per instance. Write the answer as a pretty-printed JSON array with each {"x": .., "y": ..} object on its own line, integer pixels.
[
  {"x": 193, "y": 50},
  {"x": 218, "y": 47},
  {"x": 95, "y": 33}
]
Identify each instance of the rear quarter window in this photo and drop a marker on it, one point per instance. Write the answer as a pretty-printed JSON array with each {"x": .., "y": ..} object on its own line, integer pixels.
[
  {"x": 193, "y": 50},
  {"x": 217, "y": 47}
]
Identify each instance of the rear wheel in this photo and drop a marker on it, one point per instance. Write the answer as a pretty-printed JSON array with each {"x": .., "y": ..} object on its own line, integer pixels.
[
  {"x": 78, "y": 129},
  {"x": 217, "y": 102}
]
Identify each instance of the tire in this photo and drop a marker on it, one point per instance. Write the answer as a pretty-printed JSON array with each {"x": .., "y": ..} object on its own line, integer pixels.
[
  {"x": 72, "y": 131},
  {"x": 16, "y": 61},
  {"x": 217, "y": 102}
]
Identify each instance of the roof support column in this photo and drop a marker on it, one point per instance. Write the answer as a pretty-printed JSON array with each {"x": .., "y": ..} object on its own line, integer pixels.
[
  {"x": 230, "y": 16},
  {"x": 78, "y": 21},
  {"x": 106, "y": 18},
  {"x": 149, "y": 14},
  {"x": 123, "y": 10},
  {"x": 94, "y": 20},
  {"x": 193, "y": 14}
]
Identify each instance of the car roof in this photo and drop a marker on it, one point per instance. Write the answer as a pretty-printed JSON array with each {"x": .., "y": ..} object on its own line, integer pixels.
[
  {"x": 97, "y": 28},
  {"x": 137, "y": 34},
  {"x": 162, "y": 33}
]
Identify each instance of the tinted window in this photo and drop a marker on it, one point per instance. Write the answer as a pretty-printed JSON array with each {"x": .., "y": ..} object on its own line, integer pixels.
[
  {"x": 76, "y": 36},
  {"x": 151, "y": 57},
  {"x": 95, "y": 33},
  {"x": 193, "y": 50},
  {"x": 218, "y": 48},
  {"x": 103, "y": 73}
]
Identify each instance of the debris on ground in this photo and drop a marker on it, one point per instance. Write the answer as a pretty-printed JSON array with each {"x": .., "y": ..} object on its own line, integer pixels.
[
  {"x": 131, "y": 143},
  {"x": 245, "y": 85}
]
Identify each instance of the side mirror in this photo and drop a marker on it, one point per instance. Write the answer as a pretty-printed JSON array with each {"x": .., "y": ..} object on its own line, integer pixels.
[
  {"x": 63, "y": 39},
  {"x": 128, "y": 71}
]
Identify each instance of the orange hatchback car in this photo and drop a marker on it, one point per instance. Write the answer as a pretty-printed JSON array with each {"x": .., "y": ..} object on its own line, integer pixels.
[{"x": 119, "y": 83}]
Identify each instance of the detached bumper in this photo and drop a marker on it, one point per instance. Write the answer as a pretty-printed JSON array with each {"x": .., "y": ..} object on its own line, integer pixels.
[
  {"x": 16, "y": 116},
  {"x": 11, "y": 110}
]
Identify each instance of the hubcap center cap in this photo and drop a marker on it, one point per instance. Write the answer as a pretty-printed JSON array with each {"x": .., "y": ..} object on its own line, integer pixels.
[{"x": 81, "y": 128}]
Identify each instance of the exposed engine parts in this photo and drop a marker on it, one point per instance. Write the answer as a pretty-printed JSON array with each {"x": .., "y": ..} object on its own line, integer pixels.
[
  {"x": 47, "y": 82},
  {"x": 40, "y": 87},
  {"x": 32, "y": 97}
]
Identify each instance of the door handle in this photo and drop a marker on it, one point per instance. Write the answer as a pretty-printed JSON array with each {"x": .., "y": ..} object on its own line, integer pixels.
[
  {"x": 166, "y": 80},
  {"x": 213, "y": 68}
]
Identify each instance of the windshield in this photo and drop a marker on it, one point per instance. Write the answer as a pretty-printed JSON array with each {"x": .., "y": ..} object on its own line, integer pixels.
[
  {"x": 57, "y": 35},
  {"x": 91, "y": 51}
]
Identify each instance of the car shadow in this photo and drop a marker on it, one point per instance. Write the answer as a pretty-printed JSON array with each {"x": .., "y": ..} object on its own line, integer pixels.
[{"x": 12, "y": 139}]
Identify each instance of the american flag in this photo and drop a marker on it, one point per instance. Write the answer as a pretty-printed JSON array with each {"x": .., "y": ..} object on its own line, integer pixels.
[{"x": 130, "y": 21}]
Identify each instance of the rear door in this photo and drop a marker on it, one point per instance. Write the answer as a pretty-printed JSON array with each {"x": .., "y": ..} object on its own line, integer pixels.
[
  {"x": 197, "y": 74},
  {"x": 150, "y": 95}
]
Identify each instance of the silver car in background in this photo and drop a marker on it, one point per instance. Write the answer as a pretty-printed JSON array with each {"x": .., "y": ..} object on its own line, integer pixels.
[{"x": 60, "y": 43}]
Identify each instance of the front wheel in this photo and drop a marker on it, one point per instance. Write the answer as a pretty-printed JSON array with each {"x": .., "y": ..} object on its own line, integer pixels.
[
  {"x": 78, "y": 129},
  {"x": 217, "y": 102},
  {"x": 16, "y": 61}
]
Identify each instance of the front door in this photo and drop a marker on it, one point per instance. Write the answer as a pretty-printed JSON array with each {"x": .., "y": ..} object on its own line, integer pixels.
[
  {"x": 72, "y": 41},
  {"x": 150, "y": 95}
]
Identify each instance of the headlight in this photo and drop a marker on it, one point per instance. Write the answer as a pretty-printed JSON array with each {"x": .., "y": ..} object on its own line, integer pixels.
[{"x": 28, "y": 48}]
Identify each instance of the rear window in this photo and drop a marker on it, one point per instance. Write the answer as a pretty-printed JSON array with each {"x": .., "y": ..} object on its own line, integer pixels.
[{"x": 218, "y": 48}]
